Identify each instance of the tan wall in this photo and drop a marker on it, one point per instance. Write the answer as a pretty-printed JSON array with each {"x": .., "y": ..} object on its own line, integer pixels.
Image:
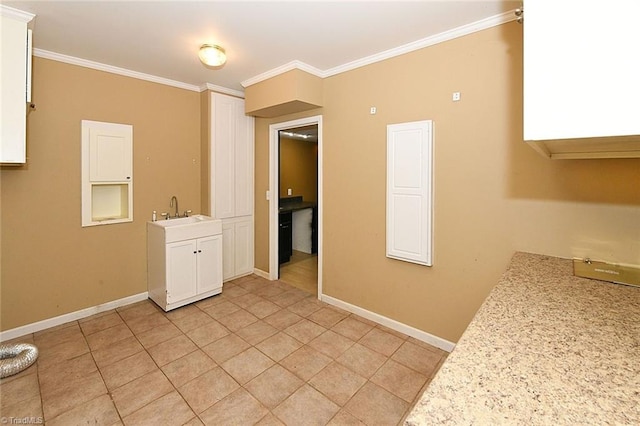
[
  {"x": 493, "y": 194},
  {"x": 299, "y": 168},
  {"x": 286, "y": 93},
  {"x": 50, "y": 264}
]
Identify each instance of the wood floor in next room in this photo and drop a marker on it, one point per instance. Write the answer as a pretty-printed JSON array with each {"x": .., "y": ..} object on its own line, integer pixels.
[
  {"x": 260, "y": 353},
  {"x": 301, "y": 271}
]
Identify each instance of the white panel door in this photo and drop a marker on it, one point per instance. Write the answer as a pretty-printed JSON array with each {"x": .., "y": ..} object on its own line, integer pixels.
[
  {"x": 110, "y": 152},
  {"x": 181, "y": 270},
  {"x": 223, "y": 156},
  {"x": 409, "y": 191},
  {"x": 209, "y": 263},
  {"x": 244, "y": 247},
  {"x": 243, "y": 162},
  {"x": 13, "y": 80},
  {"x": 228, "y": 250}
]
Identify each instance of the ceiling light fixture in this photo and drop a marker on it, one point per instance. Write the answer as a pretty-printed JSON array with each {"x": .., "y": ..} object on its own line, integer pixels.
[{"x": 212, "y": 55}]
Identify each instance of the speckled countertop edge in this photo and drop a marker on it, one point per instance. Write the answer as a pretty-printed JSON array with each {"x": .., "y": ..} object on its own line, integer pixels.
[{"x": 544, "y": 348}]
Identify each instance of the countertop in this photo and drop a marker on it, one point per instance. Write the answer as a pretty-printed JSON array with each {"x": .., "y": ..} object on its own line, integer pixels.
[
  {"x": 545, "y": 348},
  {"x": 294, "y": 204}
]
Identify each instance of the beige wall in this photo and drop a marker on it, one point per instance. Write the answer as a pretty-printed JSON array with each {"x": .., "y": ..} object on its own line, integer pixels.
[
  {"x": 299, "y": 168},
  {"x": 50, "y": 264},
  {"x": 493, "y": 194}
]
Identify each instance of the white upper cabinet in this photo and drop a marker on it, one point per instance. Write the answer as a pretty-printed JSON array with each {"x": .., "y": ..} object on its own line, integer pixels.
[
  {"x": 231, "y": 158},
  {"x": 409, "y": 191},
  {"x": 581, "y": 84},
  {"x": 107, "y": 173},
  {"x": 110, "y": 152},
  {"x": 15, "y": 76}
]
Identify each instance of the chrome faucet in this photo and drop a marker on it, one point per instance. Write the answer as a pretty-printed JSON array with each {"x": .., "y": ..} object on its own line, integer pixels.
[{"x": 176, "y": 205}]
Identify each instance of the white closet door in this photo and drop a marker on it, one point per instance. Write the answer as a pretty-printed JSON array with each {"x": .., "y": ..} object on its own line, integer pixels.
[
  {"x": 223, "y": 156},
  {"x": 409, "y": 191}
]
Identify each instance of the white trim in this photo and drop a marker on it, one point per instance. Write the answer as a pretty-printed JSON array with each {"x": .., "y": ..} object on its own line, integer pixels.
[
  {"x": 72, "y": 316},
  {"x": 262, "y": 274},
  {"x": 111, "y": 69},
  {"x": 483, "y": 24},
  {"x": 18, "y": 15},
  {"x": 436, "y": 341},
  {"x": 274, "y": 182},
  {"x": 221, "y": 89},
  {"x": 293, "y": 65},
  {"x": 464, "y": 30}
]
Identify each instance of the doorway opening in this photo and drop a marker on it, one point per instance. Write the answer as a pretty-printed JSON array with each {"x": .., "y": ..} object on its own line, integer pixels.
[{"x": 295, "y": 254}]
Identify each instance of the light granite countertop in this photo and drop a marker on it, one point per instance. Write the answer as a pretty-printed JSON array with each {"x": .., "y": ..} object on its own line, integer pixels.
[{"x": 545, "y": 348}]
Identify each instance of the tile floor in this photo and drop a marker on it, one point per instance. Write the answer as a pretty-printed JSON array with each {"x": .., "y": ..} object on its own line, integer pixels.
[{"x": 261, "y": 353}]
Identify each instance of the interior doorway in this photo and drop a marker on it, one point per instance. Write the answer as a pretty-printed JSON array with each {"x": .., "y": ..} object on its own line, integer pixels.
[
  {"x": 295, "y": 203},
  {"x": 297, "y": 207}
]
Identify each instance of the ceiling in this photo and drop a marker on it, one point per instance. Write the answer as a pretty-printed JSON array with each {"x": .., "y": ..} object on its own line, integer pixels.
[{"x": 161, "y": 38}]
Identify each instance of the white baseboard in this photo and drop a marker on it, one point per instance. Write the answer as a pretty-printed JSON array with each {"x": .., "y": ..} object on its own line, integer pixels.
[
  {"x": 261, "y": 273},
  {"x": 436, "y": 341},
  {"x": 72, "y": 316}
]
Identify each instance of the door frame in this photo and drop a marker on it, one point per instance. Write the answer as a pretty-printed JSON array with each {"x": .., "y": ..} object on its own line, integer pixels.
[{"x": 274, "y": 184}]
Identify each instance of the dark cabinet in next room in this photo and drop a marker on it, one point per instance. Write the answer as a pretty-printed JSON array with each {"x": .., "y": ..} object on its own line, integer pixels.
[{"x": 285, "y": 239}]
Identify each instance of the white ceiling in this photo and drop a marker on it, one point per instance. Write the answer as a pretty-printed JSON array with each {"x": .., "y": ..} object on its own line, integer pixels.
[{"x": 162, "y": 38}]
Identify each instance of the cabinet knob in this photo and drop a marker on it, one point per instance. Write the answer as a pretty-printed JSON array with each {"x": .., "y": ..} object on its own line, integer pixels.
[{"x": 199, "y": 251}]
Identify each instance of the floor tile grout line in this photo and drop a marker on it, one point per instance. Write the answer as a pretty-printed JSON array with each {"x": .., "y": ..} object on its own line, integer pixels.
[{"x": 281, "y": 307}]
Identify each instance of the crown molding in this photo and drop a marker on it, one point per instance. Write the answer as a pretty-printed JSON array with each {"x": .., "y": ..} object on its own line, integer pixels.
[
  {"x": 387, "y": 54},
  {"x": 111, "y": 69},
  {"x": 222, "y": 89},
  {"x": 425, "y": 42},
  {"x": 464, "y": 30},
  {"x": 293, "y": 65},
  {"x": 16, "y": 14}
]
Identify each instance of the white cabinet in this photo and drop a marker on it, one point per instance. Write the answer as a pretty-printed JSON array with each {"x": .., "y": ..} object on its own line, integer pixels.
[
  {"x": 232, "y": 158},
  {"x": 409, "y": 192},
  {"x": 232, "y": 186},
  {"x": 107, "y": 173},
  {"x": 15, "y": 77},
  {"x": 581, "y": 80},
  {"x": 182, "y": 272},
  {"x": 238, "y": 246},
  {"x": 110, "y": 152}
]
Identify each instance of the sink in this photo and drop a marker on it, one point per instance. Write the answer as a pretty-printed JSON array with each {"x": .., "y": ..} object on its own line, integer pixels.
[{"x": 186, "y": 228}]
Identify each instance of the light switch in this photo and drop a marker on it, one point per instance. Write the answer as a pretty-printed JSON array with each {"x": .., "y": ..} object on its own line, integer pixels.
[{"x": 289, "y": 191}]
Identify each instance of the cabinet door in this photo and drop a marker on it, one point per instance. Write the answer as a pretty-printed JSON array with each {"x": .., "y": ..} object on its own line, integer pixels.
[
  {"x": 110, "y": 152},
  {"x": 409, "y": 197},
  {"x": 13, "y": 75},
  {"x": 244, "y": 161},
  {"x": 223, "y": 156},
  {"x": 181, "y": 270},
  {"x": 209, "y": 274},
  {"x": 285, "y": 240},
  {"x": 244, "y": 247},
  {"x": 580, "y": 75},
  {"x": 228, "y": 250}
]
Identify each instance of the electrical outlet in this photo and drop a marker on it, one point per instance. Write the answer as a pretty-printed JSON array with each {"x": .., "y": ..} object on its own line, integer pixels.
[
  {"x": 456, "y": 96},
  {"x": 373, "y": 110}
]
